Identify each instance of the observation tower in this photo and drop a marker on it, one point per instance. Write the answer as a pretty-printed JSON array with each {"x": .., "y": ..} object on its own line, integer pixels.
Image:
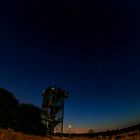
[{"x": 52, "y": 110}]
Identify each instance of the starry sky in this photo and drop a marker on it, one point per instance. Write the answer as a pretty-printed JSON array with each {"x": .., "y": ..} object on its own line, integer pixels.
[{"x": 88, "y": 47}]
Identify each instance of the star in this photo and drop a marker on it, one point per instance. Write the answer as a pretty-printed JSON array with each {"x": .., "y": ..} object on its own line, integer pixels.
[
  {"x": 25, "y": 83},
  {"x": 69, "y": 1},
  {"x": 35, "y": 7},
  {"x": 123, "y": 81},
  {"x": 109, "y": 12},
  {"x": 99, "y": 66}
]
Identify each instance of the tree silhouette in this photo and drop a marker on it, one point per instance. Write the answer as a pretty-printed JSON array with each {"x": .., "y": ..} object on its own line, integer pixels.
[
  {"x": 90, "y": 131},
  {"x": 20, "y": 117},
  {"x": 8, "y": 108},
  {"x": 29, "y": 120}
]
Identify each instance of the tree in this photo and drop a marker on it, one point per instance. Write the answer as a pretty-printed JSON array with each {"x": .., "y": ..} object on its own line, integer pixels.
[
  {"x": 29, "y": 120},
  {"x": 8, "y": 107},
  {"x": 20, "y": 117},
  {"x": 90, "y": 131}
]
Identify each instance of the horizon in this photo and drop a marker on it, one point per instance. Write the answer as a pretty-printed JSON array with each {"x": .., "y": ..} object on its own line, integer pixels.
[
  {"x": 80, "y": 130},
  {"x": 89, "y": 48}
]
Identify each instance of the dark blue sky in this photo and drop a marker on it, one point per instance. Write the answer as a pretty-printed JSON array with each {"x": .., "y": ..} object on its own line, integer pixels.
[{"x": 89, "y": 48}]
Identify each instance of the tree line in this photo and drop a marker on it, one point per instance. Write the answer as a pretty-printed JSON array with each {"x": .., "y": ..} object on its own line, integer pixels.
[{"x": 18, "y": 116}]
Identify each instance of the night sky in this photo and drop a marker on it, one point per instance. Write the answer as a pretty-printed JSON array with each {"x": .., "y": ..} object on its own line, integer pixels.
[{"x": 90, "y": 48}]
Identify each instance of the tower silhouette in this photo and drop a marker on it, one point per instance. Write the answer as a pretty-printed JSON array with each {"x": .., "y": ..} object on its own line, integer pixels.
[{"x": 52, "y": 110}]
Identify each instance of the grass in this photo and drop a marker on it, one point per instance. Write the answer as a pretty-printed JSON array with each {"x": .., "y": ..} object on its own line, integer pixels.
[
  {"x": 11, "y": 135},
  {"x": 8, "y": 134}
]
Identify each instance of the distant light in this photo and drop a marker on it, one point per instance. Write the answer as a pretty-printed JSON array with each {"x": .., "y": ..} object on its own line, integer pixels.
[
  {"x": 69, "y": 126},
  {"x": 53, "y": 88}
]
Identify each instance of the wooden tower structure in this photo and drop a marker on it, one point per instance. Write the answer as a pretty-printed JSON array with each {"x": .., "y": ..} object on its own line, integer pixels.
[{"x": 52, "y": 110}]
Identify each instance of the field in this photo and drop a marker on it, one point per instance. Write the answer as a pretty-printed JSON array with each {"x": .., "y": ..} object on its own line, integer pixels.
[{"x": 11, "y": 135}]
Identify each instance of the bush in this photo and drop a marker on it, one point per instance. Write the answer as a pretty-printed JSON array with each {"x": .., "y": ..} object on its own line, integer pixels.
[{"x": 20, "y": 117}]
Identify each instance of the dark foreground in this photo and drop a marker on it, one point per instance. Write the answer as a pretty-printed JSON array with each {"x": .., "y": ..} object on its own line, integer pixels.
[{"x": 130, "y": 133}]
